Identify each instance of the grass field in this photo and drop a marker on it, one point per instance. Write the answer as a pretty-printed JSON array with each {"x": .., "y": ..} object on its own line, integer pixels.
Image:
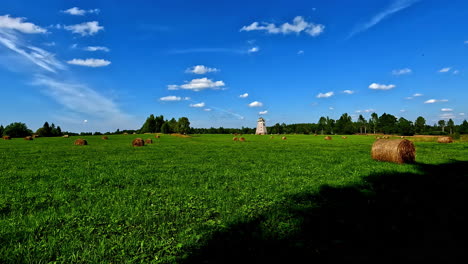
[{"x": 209, "y": 199}]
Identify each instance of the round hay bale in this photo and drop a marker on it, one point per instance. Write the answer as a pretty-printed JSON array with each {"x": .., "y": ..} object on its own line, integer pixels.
[
  {"x": 138, "y": 142},
  {"x": 6, "y": 138},
  {"x": 283, "y": 138},
  {"x": 149, "y": 141},
  {"x": 125, "y": 133},
  {"x": 65, "y": 136},
  {"x": 377, "y": 137},
  {"x": 242, "y": 139},
  {"x": 134, "y": 133},
  {"x": 157, "y": 136},
  {"x": 394, "y": 150},
  {"x": 28, "y": 138},
  {"x": 235, "y": 139},
  {"x": 402, "y": 137},
  {"x": 315, "y": 134},
  {"x": 444, "y": 140},
  {"x": 80, "y": 142},
  {"x": 344, "y": 137},
  {"x": 328, "y": 138},
  {"x": 105, "y": 138}
]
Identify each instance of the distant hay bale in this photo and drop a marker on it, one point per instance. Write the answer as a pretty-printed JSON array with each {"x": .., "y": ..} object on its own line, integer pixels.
[
  {"x": 242, "y": 139},
  {"x": 125, "y": 133},
  {"x": 402, "y": 137},
  {"x": 35, "y": 136},
  {"x": 444, "y": 140},
  {"x": 65, "y": 136},
  {"x": 105, "y": 138},
  {"x": 80, "y": 142},
  {"x": 394, "y": 150},
  {"x": 6, "y": 138},
  {"x": 344, "y": 137},
  {"x": 315, "y": 134},
  {"x": 328, "y": 138},
  {"x": 283, "y": 138},
  {"x": 149, "y": 141},
  {"x": 157, "y": 136},
  {"x": 377, "y": 137},
  {"x": 134, "y": 133},
  {"x": 28, "y": 138},
  {"x": 272, "y": 137},
  {"x": 138, "y": 142},
  {"x": 235, "y": 139}
]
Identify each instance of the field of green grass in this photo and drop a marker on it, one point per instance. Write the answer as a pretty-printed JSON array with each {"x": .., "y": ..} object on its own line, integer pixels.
[{"x": 188, "y": 199}]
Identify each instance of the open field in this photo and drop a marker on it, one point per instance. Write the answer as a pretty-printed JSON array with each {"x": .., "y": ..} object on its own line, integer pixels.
[{"x": 208, "y": 198}]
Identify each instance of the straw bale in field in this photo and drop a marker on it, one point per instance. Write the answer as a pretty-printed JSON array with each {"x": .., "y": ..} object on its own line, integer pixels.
[
  {"x": 138, "y": 142},
  {"x": 402, "y": 137},
  {"x": 6, "y": 137},
  {"x": 66, "y": 136},
  {"x": 328, "y": 138},
  {"x": 157, "y": 136},
  {"x": 35, "y": 136},
  {"x": 377, "y": 137},
  {"x": 235, "y": 139},
  {"x": 242, "y": 139},
  {"x": 344, "y": 137},
  {"x": 81, "y": 142},
  {"x": 149, "y": 141},
  {"x": 125, "y": 133},
  {"x": 283, "y": 138},
  {"x": 105, "y": 137},
  {"x": 28, "y": 138},
  {"x": 394, "y": 150},
  {"x": 272, "y": 137},
  {"x": 444, "y": 140}
]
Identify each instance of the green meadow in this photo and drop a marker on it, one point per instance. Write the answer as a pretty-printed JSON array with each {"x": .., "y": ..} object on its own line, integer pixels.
[{"x": 209, "y": 199}]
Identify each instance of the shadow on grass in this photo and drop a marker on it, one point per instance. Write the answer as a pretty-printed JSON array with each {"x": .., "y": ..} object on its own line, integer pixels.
[{"x": 391, "y": 217}]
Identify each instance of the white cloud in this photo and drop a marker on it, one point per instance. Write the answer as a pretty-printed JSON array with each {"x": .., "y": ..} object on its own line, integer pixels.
[
  {"x": 331, "y": 108},
  {"x": 462, "y": 114},
  {"x": 348, "y": 92},
  {"x": 198, "y": 85},
  {"x": 417, "y": 94},
  {"x": 256, "y": 104},
  {"x": 199, "y": 105},
  {"x": 38, "y": 56},
  {"x": 97, "y": 48},
  {"x": 299, "y": 25},
  {"x": 300, "y": 52},
  {"x": 365, "y": 111},
  {"x": 408, "y": 98},
  {"x": 244, "y": 95},
  {"x": 50, "y": 44},
  {"x": 376, "y": 86},
  {"x": 85, "y": 121},
  {"x": 431, "y": 101},
  {"x": 254, "y": 49},
  {"x": 447, "y": 116},
  {"x": 207, "y": 109},
  {"x": 447, "y": 69},
  {"x": 201, "y": 69},
  {"x": 90, "y": 62},
  {"x": 402, "y": 110},
  {"x": 402, "y": 71},
  {"x": 170, "y": 98},
  {"x": 75, "y": 11},
  {"x": 263, "y": 112},
  {"x": 446, "y": 109},
  {"x": 466, "y": 42},
  {"x": 456, "y": 72},
  {"x": 186, "y": 98},
  {"x": 396, "y": 6},
  {"x": 18, "y": 24},
  {"x": 85, "y": 29},
  {"x": 325, "y": 95}
]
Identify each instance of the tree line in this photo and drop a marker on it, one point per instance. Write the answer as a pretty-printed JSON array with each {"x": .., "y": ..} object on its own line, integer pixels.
[{"x": 386, "y": 124}]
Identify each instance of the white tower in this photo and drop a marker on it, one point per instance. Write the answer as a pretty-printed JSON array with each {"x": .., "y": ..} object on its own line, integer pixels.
[{"x": 261, "y": 127}]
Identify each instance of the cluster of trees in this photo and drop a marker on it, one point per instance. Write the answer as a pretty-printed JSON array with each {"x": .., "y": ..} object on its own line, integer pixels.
[
  {"x": 15, "y": 130},
  {"x": 159, "y": 125},
  {"x": 49, "y": 130}
]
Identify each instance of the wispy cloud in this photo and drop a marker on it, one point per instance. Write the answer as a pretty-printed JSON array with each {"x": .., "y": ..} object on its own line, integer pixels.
[
  {"x": 376, "y": 86},
  {"x": 432, "y": 101},
  {"x": 325, "y": 95},
  {"x": 298, "y": 26},
  {"x": 253, "y": 50},
  {"x": 85, "y": 28},
  {"x": 75, "y": 11},
  {"x": 402, "y": 71},
  {"x": 300, "y": 52},
  {"x": 97, "y": 48},
  {"x": 446, "y": 109},
  {"x": 245, "y": 95},
  {"x": 170, "y": 98},
  {"x": 396, "y": 5},
  {"x": 417, "y": 95},
  {"x": 90, "y": 62},
  {"x": 263, "y": 112},
  {"x": 207, "y": 50},
  {"x": 446, "y": 69},
  {"x": 198, "y": 85},
  {"x": 18, "y": 24},
  {"x": 37, "y": 56},
  {"x": 348, "y": 92},
  {"x": 365, "y": 111},
  {"x": 198, "y": 105},
  {"x": 201, "y": 69}
]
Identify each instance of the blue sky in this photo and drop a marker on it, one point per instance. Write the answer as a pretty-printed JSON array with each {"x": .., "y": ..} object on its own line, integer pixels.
[{"x": 103, "y": 65}]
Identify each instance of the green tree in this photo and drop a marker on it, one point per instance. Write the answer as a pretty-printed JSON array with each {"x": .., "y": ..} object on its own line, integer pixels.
[
  {"x": 149, "y": 126},
  {"x": 420, "y": 125},
  {"x": 183, "y": 125},
  {"x": 387, "y": 123},
  {"x": 442, "y": 124},
  {"x": 165, "y": 128},
  {"x": 344, "y": 125},
  {"x": 1, "y": 130},
  {"x": 173, "y": 125},
  {"x": 405, "y": 127},
  {"x": 361, "y": 123},
  {"x": 374, "y": 121},
  {"x": 17, "y": 130},
  {"x": 322, "y": 123},
  {"x": 463, "y": 129},
  {"x": 45, "y": 130},
  {"x": 158, "y": 122},
  {"x": 450, "y": 125}
]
